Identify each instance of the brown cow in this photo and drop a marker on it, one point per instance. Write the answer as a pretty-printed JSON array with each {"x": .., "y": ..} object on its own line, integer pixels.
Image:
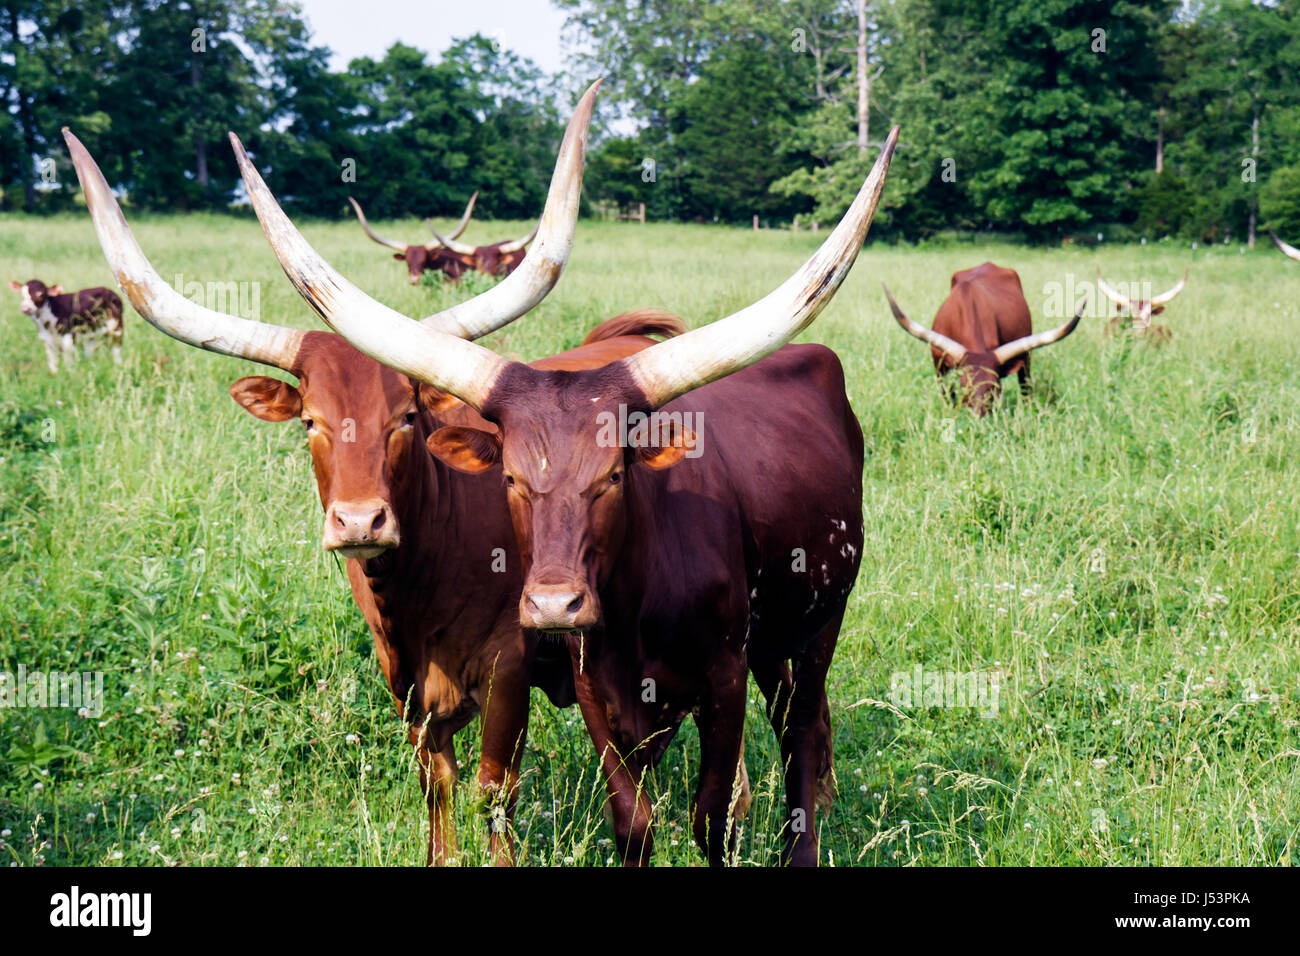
[
  {"x": 452, "y": 258},
  {"x": 431, "y": 552},
  {"x": 984, "y": 329},
  {"x": 498, "y": 259},
  {"x": 670, "y": 582},
  {"x": 1135, "y": 313},
  {"x": 65, "y": 318},
  {"x": 1288, "y": 250}
]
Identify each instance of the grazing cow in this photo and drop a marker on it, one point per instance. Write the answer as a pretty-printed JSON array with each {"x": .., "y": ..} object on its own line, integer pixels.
[
  {"x": 452, "y": 258},
  {"x": 983, "y": 328},
  {"x": 1135, "y": 313},
  {"x": 65, "y": 318},
  {"x": 498, "y": 259},
  {"x": 669, "y": 583},
  {"x": 1286, "y": 249},
  {"x": 432, "y": 558}
]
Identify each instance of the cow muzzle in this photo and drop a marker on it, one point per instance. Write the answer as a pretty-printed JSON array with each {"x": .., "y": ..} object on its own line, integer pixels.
[
  {"x": 360, "y": 529},
  {"x": 558, "y": 607}
]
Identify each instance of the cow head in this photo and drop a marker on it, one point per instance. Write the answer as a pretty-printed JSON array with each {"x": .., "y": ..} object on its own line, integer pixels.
[
  {"x": 34, "y": 294},
  {"x": 981, "y": 370},
  {"x": 363, "y": 420},
  {"x": 1137, "y": 312},
  {"x": 570, "y": 483},
  {"x": 419, "y": 258},
  {"x": 498, "y": 259},
  {"x": 364, "y": 423}
]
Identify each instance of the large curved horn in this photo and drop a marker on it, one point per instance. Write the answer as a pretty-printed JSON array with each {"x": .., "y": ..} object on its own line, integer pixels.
[
  {"x": 500, "y": 305},
  {"x": 162, "y": 306},
  {"x": 1165, "y": 297},
  {"x": 949, "y": 347},
  {"x": 1013, "y": 350},
  {"x": 671, "y": 368},
  {"x": 519, "y": 243},
  {"x": 464, "y": 220},
  {"x": 1114, "y": 295},
  {"x": 1291, "y": 251},
  {"x": 371, "y": 233},
  {"x": 449, "y": 242}
]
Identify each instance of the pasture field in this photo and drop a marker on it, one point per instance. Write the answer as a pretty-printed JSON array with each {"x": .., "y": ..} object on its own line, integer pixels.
[{"x": 1119, "y": 552}]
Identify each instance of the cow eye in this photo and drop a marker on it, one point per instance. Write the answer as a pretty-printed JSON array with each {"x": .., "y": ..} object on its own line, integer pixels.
[
  {"x": 409, "y": 418},
  {"x": 510, "y": 481},
  {"x": 308, "y": 423},
  {"x": 615, "y": 477}
]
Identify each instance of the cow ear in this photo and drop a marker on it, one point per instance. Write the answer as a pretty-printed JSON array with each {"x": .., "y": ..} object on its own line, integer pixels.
[
  {"x": 435, "y": 400},
  {"x": 54, "y": 290},
  {"x": 398, "y": 256},
  {"x": 267, "y": 398},
  {"x": 675, "y": 443},
  {"x": 16, "y": 286},
  {"x": 465, "y": 449}
]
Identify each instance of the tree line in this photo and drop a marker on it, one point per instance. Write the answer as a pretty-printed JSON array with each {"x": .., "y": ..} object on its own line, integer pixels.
[{"x": 1037, "y": 118}]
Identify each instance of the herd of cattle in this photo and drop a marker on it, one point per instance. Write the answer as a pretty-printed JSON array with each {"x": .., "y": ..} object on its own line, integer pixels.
[{"x": 497, "y": 538}]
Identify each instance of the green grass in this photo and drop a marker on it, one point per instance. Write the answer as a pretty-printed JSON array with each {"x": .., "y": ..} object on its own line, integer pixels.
[{"x": 1122, "y": 548}]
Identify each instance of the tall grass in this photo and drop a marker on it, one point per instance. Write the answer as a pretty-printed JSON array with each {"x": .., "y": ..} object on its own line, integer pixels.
[{"x": 1120, "y": 550}]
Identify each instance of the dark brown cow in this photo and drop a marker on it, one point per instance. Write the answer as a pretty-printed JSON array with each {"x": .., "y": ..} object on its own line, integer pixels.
[
  {"x": 1286, "y": 249},
  {"x": 452, "y": 258},
  {"x": 498, "y": 259},
  {"x": 1135, "y": 312},
  {"x": 431, "y": 553},
  {"x": 670, "y": 582},
  {"x": 65, "y": 318},
  {"x": 983, "y": 328}
]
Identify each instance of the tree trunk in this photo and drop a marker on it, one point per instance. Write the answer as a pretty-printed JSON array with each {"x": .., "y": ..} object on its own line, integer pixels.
[
  {"x": 1160, "y": 141},
  {"x": 864, "y": 84},
  {"x": 200, "y": 144},
  {"x": 25, "y": 169},
  {"x": 1254, "y": 193}
]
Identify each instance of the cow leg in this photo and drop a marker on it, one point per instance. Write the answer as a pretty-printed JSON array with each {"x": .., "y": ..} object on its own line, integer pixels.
[
  {"x": 1023, "y": 375},
  {"x": 721, "y": 723},
  {"x": 505, "y": 724},
  {"x": 438, "y": 781},
  {"x": 115, "y": 342},
  {"x": 628, "y": 804},
  {"x": 69, "y": 348},
  {"x": 800, "y": 715},
  {"x": 809, "y": 778},
  {"x": 51, "y": 351}
]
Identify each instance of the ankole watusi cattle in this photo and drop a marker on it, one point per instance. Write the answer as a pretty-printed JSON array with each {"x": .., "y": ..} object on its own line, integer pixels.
[
  {"x": 667, "y": 583},
  {"x": 983, "y": 329},
  {"x": 66, "y": 319},
  {"x": 450, "y": 257},
  {"x": 1135, "y": 312},
  {"x": 1286, "y": 249},
  {"x": 432, "y": 558}
]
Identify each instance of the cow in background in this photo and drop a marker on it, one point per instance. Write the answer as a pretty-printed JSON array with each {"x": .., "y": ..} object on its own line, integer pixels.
[
  {"x": 1135, "y": 313},
  {"x": 453, "y": 259},
  {"x": 64, "y": 319},
  {"x": 983, "y": 330}
]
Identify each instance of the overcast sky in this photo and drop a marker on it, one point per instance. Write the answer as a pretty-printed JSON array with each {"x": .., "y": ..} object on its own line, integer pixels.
[{"x": 354, "y": 28}]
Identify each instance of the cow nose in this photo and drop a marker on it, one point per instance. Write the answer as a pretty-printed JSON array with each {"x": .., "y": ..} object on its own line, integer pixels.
[
  {"x": 366, "y": 527},
  {"x": 415, "y": 280},
  {"x": 553, "y": 608}
]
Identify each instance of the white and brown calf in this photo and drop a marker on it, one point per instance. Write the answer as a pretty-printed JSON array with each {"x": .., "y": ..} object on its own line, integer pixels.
[{"x": 65, "y": 318}]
